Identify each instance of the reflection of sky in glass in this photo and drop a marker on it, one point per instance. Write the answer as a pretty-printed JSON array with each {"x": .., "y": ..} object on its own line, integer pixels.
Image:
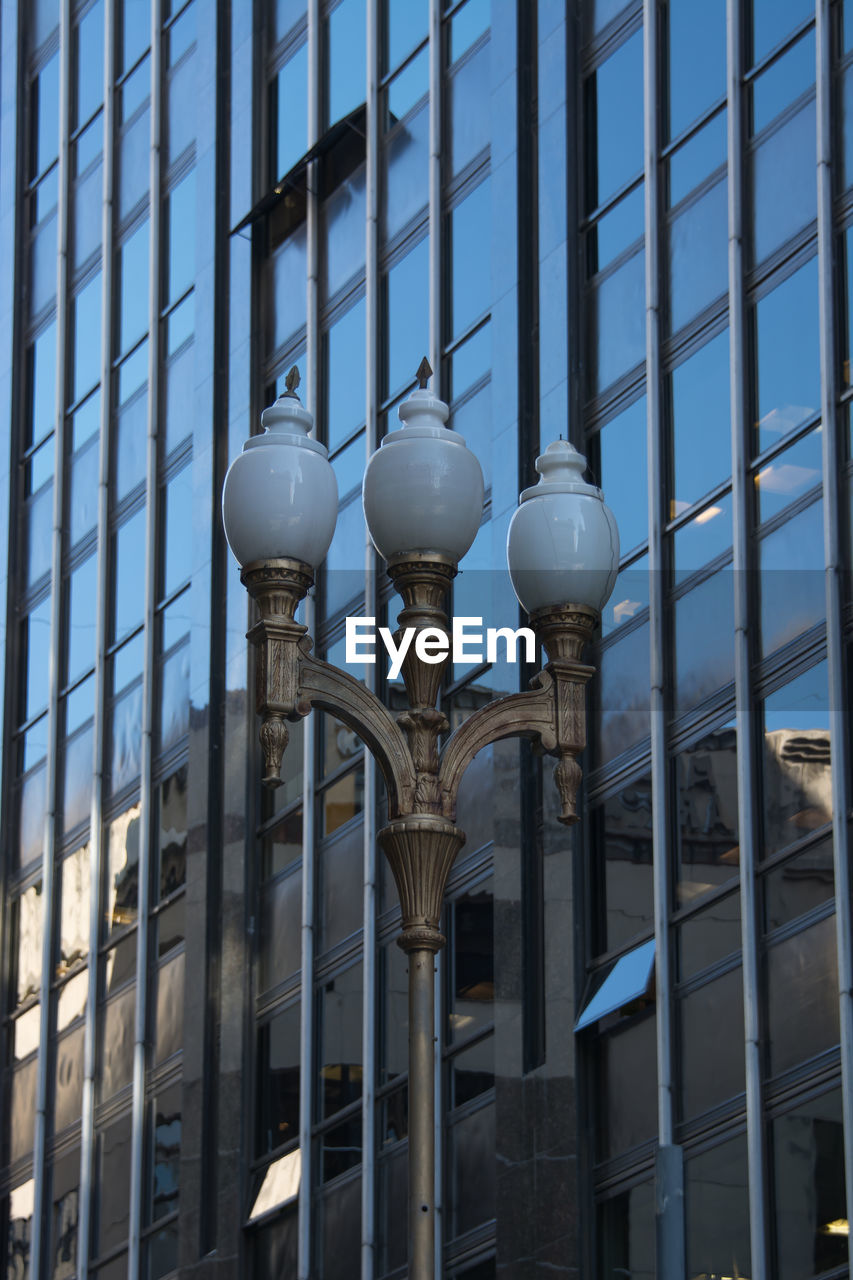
[
  {"x": 695, "y": 82},
  {"x": 292, "y": 132},
  {"x": 347, "y": 52},
  {"x": 773, "y": 19},
  {"x": 407, "y": 23},
  {"x": 618, "y": 100},
  {"x": 623, "y": 473},
  {"x": 790, "y": 474},
  {"x": 471, "y": 241},
  {"x": 802, "y": 704},
  {"x": 783, "y": 82},
  {"x": 788, "y": 356},
  {"x": 408, "y": 319},
  {"x": 346, "y": 374}
]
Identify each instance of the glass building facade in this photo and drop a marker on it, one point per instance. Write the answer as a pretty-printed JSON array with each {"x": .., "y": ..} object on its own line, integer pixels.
[{"x": 628, "y": 223}]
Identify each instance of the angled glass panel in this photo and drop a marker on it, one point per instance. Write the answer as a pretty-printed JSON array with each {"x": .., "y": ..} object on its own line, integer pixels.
[
  {"x": 44, "y": 107},
  {"x": 710, "y": 1035},
  {"x": 345, "y": 372},
  {"x": 471, "y": 272},
  {"x": 467, "y": 123},
  {"x": 181, "y": 236},
  {"x": 407, "y": 318},
  {"x": 790, "y": 475},
  {"x": 407, "y": 88},
  {"x": 696, "y": 159},
  {"x": 82, "y": 618},
  {"x": 704, "y": 645},
  {"x": 627, "y": 980},
  {"x": 798, "y": 885},
  {"x": 404, "y": 163},
  {"x": 135, "y": 18},
  {"x": 622, "y": 705},
  {"x": 279, "y": 1185}
]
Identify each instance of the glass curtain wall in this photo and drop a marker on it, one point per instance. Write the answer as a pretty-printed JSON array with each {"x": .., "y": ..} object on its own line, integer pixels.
[{"x": 711, "y": 835}]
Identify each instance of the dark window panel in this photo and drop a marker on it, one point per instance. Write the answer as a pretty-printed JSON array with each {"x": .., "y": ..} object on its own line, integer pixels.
[
  {"x": 698, "y": 253},
  {"x": 289, "y": 113},
  {"x": 65, "y": 1196},
  {"x": 122, "y": 873},
  {"x": 275, "y": 1248},
  {"x": 716, "y": 1203},
  {"x": 112, "y": 1189},
  {"x": 393, "y": 1013},
  {"x": 340, "y": 1148},
  {"x": 471, "y": 971},
  {"x": 166, "y": 1143},
  {"x": 772, "y": 21},
  {"x": 22, "y": 1106},
  {"x": 796, "y": 760},
  {"x": 341, "y": 881},
  {"x": 695, "y": 83},
  {"x": 707, "y": 822},
  {"x": 68, "y": 1096},
  {"x": 799, "y": 885},
  {"x": 792, "y": 583},
  {"x": 339, "y": 1228},
  {"x": 626, "y": 1235},
  {"x": 711, "y": 1057},
  {"x": 787, "y": 373},
  {"x": 171, "y": 928},
  {"x": 339, "y": 1028},
  {"x": 784, "y": 191},
  {"x": 161, "y": 1252},
  {"x": 789, "y": 475},
  {"x": 707, "y": 936},
  {"x": 467, "y": 124},
  {"x": 614, "y": 122},
  {"x": 621, "y": 718},
  {"x": 404, "y": 162},
  {"x": 278, "y": 1081},
  {"x": 280, "y": 930},
  {"x": 345, "y": 375},
  {"x": 168, "y": 1005},
  {"x": 472, "y": 1072},
  {"x": 472, "y": 1170},
  {"x": 115, "y": 1270},
  {"x": 346, "y": 52},
  {"x": 782, "y": 82},
  {"x": 696, "y": 159},
  {"x": 117, "y": 1020},
  {"x": 620, "y": 227},
  {"x": 704, "y": 646},
  {"x": 802, "y": 991},
  {"x": 471, "y": 274},
  {"x": 808, "y": 1169},
  {"x": 621, "y": 843},
  {"x": 393, "y": 1184},
  {"x": 172, "y": 832}
]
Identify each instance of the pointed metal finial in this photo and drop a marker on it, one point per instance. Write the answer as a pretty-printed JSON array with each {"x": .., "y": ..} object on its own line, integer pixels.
[
  {"x": 291, "y": 382},
  {"x": 424, "y": 373}
]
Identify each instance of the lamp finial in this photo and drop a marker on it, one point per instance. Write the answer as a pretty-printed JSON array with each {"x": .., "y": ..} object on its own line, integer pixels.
[
  {"x": 292, "y": 380},
  {"x": 424, "y": 373}
]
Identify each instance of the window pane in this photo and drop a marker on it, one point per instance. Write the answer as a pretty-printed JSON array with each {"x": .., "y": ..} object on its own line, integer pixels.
[
  {"x": 467, "y": 25},
  {"x": 122, "y": 881},
  {"x": 472, "y": 1170},
  {"x": 706, "y": 784},
  {"x": 808, "y": 1167},
  {"x": 622, "y": 708},
  {"x": 799, "y": 885},
  {"x": 281, "y": 930},
  {"x": 83, "y": 514},
  {"x": 68, "y": 1095},
  {"x": 340, "y": 1228},
  {"x": 182, "y": 106},
  {"x": 622, "y": 464},
  {"x": 784, "y": 189},
  {"x": 343, "y": 574},
  {"x": 133, "y": 257},
  {"x": 708, "y": 935},
  {"x": 790, "y": 475},
  {"x": 133, "y": 161},
  {"x": 128, "y": 569},
  {"x": 22, "y": 1108},
  {"x": 89, "y": 48},
  {"x": 289, "y": 113},
  {"x": 65, "y": 1193},
  {"x": 342, "y": 880},
  {"x": 77, "y": 779},
  {"x": 172, "y": 832},
  {"x": 178, "y": 532},
  {"x": 615, "y": 231},
  {"x": 698, "y": 250},
  {"x": 617, "y": 152},
  {"x": 41, "y": 385},
  {"x": 802, "y": 990},
  {"x": 405, "y": 160},
  {"x": 29, "y": 943},
  {"x": 626, "y": 1085},
  {"x": 167, "y": 1152},
  {"x": 471, "y": 278},
  {"x": 117, "y": 1028},
  {"x": 35, "y": 644},
  {"x": 87, "y": 337},
  {"x": 630, "y": 595},
  {"x": 467, "y": 123},
  {"x": 407, "y": 23},
  {"x": 695, "y": 83},
  {"x": 82, "y": 617},
  {"x": 716, "y": 1203},
  {"x": 342, "y": 218},
  {"x": 626, "y": 1234},
  {"x": 787, "y": 357},
  {"x": 345, "y": 370},
  {"x": 38, "y": 527},
  {"x": 772, "y": 20},
  {"x": 136, "y": 29},
  {"x": 287, "y": 297},
  {"x": 616, "y": 324},
  {"x": 697, "y": 158},
  {"x": 792, "y": 585},
  {"x": 622, "y": 859},
  {"x": 782, "y": 82},
  {"x": 704, "y": 648},
  {"x": 169, "y": 1017},
  {"x": 181, "y": 232},
  {"x": 407, "y": 88},
  {"x": 711, "y": 1044},
  {"x": 340, "y": 1041},
  {"x": 702, "y": 539},
  {"x": 407, "y": 316},
  {"x": 346, "y": 74},
  {"x": 112, "y": 1197},
  {"x": 796, "y": 760},
  {"x": 278, "y": 1081},
  {"x": 45, "y": 117}
]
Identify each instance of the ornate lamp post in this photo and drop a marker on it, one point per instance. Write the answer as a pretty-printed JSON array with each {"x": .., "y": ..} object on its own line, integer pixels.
[{"x": 423, "y": 501}]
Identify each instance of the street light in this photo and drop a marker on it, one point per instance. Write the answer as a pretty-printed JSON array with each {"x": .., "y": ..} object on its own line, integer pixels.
[{"x": 423, "y": 502}]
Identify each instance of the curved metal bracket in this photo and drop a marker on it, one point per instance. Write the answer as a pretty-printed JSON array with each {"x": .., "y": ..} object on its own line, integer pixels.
[{"x": 323, "y": 686}]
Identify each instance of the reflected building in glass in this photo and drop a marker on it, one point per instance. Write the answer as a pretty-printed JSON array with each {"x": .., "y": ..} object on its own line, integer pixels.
[{"x": 631, "y": 223}]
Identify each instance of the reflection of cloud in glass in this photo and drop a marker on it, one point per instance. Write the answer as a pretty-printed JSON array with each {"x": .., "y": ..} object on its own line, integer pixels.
[
  {"x": 625, "y": 609},
  {"x": 708, "y": 514},
  {"x": 783, "y": 418},
  {"x": 786, "y": 478}
]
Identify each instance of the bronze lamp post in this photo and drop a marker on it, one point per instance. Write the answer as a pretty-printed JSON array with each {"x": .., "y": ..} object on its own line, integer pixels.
[{"x": 423, "y": 500}]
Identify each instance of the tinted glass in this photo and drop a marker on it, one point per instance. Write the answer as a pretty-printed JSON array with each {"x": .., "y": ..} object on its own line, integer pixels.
[
  {"x": 182, "y": 238},
  {"x": 407, "y": 319},
  {"x": 796, "y": 760},
  {"x": 802, "y": 990},
  {"x": 808, "y": 1168},
  {"x": 793, "y": 593},
  {"x": 616, "y": 323},
  {"x": 345, "y": 371},
  {"x": 706, "y": 785},
  {"x": 178, "y": 533},
  {"x": 785, "y": 199},
  {"x": 90, "y": 62},
  {"x": 278, "y": 1080},
  {"x": 772, "y": 20},
  {"x": 708, "y": 935},
  {"x": 704, "y": 644},
  {"x": 128, "y": 570},
  {"x": 281, "y": 930},
  {"x": 790, "y": 475},
  {"x": 702, "y": 539},
  {"x": 626, "y": 1235},
  {"x": 172, "y": 832},
  {"x": 342, "y": 877},
  {"x": 406, "y": 25},
  {"x": 346, "y": 52},
  {"x": 787, "y": 357},
  {"x": 35, "y": 635},
  {"x": 783, "y": 81},
  {"x": 45, "y": 117},
  {"x": 87, "y": 337},
  {"x": 340, "y": 1041},
  {"x": 467, "y": 124},
  {"x": 697, "y": 158},
  {"x": 112, "y": 1197},
  {"x": 799, "y": 885},
  {"x": 471, "y": 275},
  {"x": 289, "y": 112},
  {"x": 622, "y": 708},
  {"x": 695, "y": 83},
  {"x": 82, "y": 617},
  {"x": 626, "y": 1081},
  {"x": 698, "y": 253},
  {"x": 404, "y": 161},
  {"x": 711, "y": 1044},
  {"x": 716, "y": 1202},
  {"x": 622, "y": 464},
  {"x": 612, "y": 93},
  {"x": 622, "y": 857},
  {"x": 615, "y": 230},
  {"x": 472, "y": 991}
]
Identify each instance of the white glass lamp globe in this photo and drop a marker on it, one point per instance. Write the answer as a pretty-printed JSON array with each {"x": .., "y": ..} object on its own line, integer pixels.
[
  {"x": 423, "y": 488},
  {"x": 280, "y": 497},
  {"x": 562, "y": 543}
]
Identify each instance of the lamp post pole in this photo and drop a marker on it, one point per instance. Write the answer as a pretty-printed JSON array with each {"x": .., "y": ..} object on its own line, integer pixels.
[{"x": 424, "y": 491}]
